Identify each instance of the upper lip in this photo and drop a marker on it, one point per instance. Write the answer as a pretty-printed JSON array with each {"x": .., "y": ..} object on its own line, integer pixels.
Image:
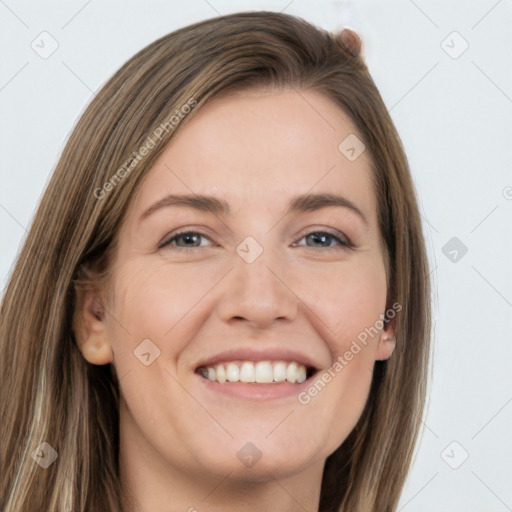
[{"x": 260, "y": 354}]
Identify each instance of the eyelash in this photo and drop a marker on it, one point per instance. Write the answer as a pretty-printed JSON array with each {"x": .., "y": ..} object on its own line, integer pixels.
[{"x": 343, "y": 242}]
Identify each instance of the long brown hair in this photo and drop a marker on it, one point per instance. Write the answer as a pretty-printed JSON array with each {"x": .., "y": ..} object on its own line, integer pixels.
[{"x": 49, "y": 393}]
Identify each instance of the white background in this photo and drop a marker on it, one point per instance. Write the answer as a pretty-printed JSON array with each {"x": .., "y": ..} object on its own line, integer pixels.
[{"x": 455, "y": 119}]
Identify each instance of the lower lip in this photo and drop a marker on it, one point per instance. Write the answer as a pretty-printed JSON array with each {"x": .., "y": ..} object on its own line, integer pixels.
[{"x": 253, "y": 391}]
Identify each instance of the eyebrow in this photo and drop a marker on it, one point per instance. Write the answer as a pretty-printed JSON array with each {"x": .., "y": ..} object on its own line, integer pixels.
[{"x": 301, "y": 203}]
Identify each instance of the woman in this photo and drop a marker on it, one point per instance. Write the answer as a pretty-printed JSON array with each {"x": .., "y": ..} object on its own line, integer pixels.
[{"x": 223, "y": 300}]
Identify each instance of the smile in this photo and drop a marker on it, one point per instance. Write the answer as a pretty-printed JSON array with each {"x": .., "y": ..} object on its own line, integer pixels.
[{"x": 260, "y": 372}]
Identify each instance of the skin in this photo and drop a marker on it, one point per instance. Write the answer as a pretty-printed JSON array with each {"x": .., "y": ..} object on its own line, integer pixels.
[{"x": 179, "y": 440}]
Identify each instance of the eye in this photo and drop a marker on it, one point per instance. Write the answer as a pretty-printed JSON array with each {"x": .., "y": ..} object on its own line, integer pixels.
[
  {"x": 323, "y": 237},
  {"x": 189, "y": 237}
]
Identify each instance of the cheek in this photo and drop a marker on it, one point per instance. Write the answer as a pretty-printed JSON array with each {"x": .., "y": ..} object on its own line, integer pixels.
[
  {"x": 156, "y": 302},
  {"x": 352, "y": 310},
  {"x": 349, "y": 300}
]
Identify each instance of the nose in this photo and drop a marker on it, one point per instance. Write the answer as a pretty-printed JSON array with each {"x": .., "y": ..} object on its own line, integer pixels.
[{"x": 259, "y": 292}]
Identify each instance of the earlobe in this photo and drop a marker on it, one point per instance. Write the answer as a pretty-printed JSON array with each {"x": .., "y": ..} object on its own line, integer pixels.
[
  {"x": 387, "y": 343},
  {"x": 385, "y": 349},
  {"x": 90, "y": 330},
  {"x": 97, "y": 350}
]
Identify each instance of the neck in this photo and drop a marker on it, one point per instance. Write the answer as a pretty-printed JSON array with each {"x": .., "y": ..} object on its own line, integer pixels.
[{"x": 226, "y": 495}]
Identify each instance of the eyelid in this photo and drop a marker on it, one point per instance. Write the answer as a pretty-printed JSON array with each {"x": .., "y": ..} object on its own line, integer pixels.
[
  {"x": 183, "y": 231},
  {"x": 343, "y": 242},
  {"x": 344, "y": 239}
]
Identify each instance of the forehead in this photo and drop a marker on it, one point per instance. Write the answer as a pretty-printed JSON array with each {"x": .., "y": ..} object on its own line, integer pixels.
[{"x": 259, "y": 149}]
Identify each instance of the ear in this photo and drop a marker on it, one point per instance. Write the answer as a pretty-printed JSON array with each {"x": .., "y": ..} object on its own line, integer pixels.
[
  {"x": 90, "y": 328},
  {"x": 386, "y": 341}
]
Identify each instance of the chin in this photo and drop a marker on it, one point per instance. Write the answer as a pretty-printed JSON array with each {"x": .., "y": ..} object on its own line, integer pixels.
[{"x": 258, "y": 462}]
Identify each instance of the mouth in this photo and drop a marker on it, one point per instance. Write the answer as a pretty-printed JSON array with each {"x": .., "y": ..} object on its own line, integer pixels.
[{"x": 257, "y": 372}]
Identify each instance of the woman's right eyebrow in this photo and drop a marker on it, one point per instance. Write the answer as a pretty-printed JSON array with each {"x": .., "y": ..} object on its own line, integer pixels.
[
  {"x": 199, "y": 202},
  {"x": 302, "y": 203}
]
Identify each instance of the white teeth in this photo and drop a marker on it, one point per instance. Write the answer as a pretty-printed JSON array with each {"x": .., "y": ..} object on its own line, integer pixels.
[
  {"x": 296, "y": 373},
  {"x": 247, "y": 373},
  {"x": 232, "y": 372},
  {"x": 291, "y": 372},
  {"x": 279, "y": 372},
  {"x": 302, "y": 374},
  {"x": 221, "y": 374},
  {"x": 262, "y": 372}
]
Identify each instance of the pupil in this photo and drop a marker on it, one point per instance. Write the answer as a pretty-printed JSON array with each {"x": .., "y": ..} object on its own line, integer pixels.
[
  {"x": 188, "y": 238},
  {"x": 318, "y": 236}
]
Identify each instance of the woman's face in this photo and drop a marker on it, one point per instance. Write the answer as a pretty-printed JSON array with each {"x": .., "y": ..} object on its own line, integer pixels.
[{"x": 255, "y": 280}]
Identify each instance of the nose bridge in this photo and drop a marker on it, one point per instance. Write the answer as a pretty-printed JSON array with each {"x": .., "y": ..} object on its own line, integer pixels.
[{"x": 255, "y": 289}]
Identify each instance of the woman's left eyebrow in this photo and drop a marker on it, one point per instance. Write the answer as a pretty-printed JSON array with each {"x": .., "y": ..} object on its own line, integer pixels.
[{"x": 301, "y": 203}]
